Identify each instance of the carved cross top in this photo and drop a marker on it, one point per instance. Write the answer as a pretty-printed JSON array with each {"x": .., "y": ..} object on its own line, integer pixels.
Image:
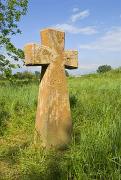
[{"x": 52, "y": 46}]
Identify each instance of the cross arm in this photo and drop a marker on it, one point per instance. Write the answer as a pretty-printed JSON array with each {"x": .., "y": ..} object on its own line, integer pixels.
[
  {"x": 36, "y": 55},
  {"x": 71, "y": 59}
]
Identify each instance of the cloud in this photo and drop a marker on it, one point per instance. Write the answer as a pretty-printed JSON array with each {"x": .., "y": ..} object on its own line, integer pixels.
[
  {"x": 88, "y": 30},
  {"x": 75, "y": 9},
  {"x": 111, "y": 41},
  {"x": 80, "y": 15},
  {"x": 89, "y": 66},
  {"x": 71, "y": 28}
]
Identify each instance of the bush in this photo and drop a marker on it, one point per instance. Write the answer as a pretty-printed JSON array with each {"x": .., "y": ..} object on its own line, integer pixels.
[
  {"x": 104, "y": 68},
  {"x": 27, "y": 75},
  {"x": 67, "y": 73}
]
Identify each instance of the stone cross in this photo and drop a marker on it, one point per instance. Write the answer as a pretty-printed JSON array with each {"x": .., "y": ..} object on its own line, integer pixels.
[{"x": 53, "y": 123}]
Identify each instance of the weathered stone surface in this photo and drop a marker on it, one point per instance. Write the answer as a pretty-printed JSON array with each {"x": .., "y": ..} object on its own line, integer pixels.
[
  {"x": 40, "y": 55},
  {"x": 46, "y": 53},
  {"x": 71, "y": 59},
  {"x": 53, "y": 119}
]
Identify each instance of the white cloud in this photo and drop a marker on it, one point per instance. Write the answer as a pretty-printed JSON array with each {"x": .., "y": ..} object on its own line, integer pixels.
[
  {"x": 75, "y": 9},
  {"x": 111, "y": 41},
  {"x": 88, "y": 30},
  {"x": 71, "y": 28},
  {"x": 80, "y": 15},
  {"x": 89, "y": 66}
]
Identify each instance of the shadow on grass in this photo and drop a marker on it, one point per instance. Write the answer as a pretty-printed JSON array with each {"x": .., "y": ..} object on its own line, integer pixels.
[
  {"x": 75, "y": 106},
  {"x": 73, "y": 100},
  {"x": 55, "y": 168},
  {"x": 4, "y": 117},
  {"x": 52, "y": 170},
  {"x": 11, "y": 155}
]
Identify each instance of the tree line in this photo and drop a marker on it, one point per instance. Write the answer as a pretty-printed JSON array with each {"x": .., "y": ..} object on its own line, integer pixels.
[{"x": 20, "y": 75}]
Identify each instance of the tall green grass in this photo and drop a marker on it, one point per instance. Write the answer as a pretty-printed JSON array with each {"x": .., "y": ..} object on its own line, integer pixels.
[{"x": 95, "y": 150}]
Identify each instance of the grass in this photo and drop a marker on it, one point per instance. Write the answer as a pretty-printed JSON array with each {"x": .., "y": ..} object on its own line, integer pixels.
[{"x": 95, "y": 150}]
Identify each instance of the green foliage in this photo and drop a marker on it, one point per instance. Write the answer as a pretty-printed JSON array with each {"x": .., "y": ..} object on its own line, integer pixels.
[
  {"x": 104, "y": 68},
  {"x": 67, "y": 73},
  {"x": 24, "y": 75},
  {"x": 10, "y": 14},
  {"x": 37, "y": 74},
  {"x": 27, "y": 75},
  {"x": 95, "y": 150}
]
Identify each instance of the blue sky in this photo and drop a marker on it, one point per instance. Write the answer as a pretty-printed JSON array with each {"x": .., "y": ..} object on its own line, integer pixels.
[{"x": 93, "y": 27}]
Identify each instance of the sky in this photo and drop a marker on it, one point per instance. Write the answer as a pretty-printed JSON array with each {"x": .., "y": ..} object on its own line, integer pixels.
[{"x": 93, "y": 27}]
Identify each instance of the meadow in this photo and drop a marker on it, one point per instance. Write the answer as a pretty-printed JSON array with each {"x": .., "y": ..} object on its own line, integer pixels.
[{"x": 95, "y": 149}]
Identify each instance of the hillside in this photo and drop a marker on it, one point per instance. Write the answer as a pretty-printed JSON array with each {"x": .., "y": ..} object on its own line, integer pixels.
[{"x": 95, "y": 150}]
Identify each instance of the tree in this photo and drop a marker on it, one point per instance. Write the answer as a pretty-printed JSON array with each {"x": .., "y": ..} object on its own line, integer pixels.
[
  {"x": 104, "y": 68},
  {"x": 37, "y": 74},
  {"x": 66, "y": 72},
  {"x": 8, "y": 73},
  {"x": 10, "y": 14},
  {"x": 24, "y": 75}
]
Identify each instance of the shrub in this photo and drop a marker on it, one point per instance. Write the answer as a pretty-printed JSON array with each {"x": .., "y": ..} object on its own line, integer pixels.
[
  {"x": 67, "y": 73},
  {"x": 104, "y": 68}
]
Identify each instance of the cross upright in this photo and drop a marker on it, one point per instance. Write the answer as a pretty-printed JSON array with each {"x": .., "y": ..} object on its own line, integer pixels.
[{"x": 53, "y": 123}]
